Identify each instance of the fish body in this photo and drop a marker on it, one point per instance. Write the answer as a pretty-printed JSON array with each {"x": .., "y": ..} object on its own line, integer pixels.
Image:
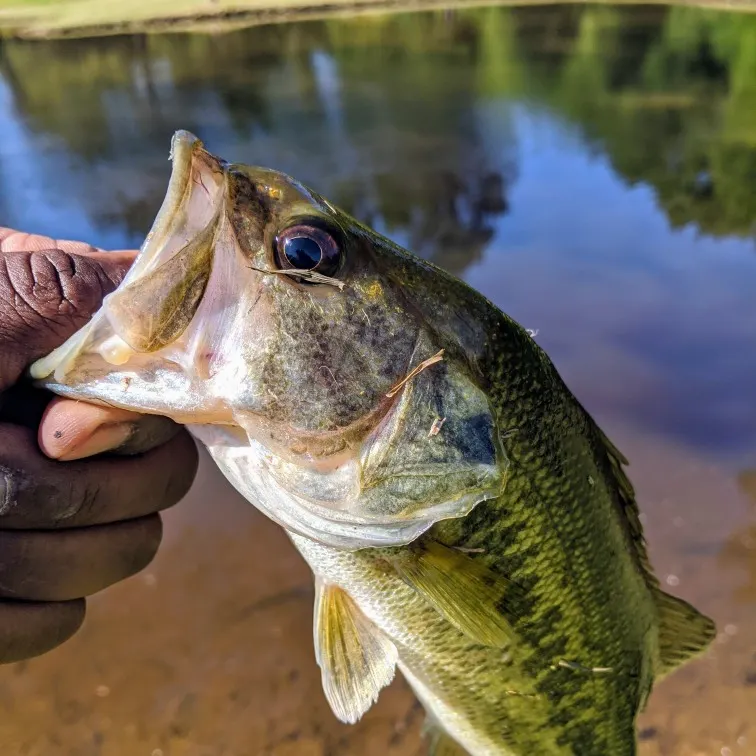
[{"x": 465, "y": 519}]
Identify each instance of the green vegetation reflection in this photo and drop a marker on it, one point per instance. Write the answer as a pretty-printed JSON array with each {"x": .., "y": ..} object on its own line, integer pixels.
[{"x": 667, "y": 94}]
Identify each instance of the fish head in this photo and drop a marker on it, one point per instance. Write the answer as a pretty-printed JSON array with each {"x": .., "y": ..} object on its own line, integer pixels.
[{"x": 333, "y": 376}]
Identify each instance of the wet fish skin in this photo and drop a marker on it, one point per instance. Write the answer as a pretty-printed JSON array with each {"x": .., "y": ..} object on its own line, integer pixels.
[
  {"x": 563, "y": 628},
  {"x": 559, "y": 532}
]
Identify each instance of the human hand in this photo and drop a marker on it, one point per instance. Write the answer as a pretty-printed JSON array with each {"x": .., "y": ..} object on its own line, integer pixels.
[{"x": 69, "y": 527}]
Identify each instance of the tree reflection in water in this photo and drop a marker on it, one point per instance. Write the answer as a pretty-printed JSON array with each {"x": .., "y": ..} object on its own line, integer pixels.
[{"x": 389, "y": 126}]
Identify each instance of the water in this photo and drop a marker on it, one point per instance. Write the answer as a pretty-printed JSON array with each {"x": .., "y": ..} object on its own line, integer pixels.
[{"x": 591, "y": 170}]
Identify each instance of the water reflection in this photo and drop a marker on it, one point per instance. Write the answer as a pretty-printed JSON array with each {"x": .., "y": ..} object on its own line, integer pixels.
[
  {"x": 613, "y": 145},
  {"x": 590, "y": 169},
  {"x": 667, "y": 94}
]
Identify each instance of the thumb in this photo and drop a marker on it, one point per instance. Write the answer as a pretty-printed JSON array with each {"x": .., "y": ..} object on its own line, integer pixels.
[{"x": 48, "y": 294}]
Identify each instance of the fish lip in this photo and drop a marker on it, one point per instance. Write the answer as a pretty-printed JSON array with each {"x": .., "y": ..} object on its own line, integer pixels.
[
  {"x": 183, "y": 152},
  {"x": 183, "y": 146}
]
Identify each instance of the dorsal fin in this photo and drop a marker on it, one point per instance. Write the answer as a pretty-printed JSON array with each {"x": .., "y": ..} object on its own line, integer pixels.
[
  {"x": 355, "y": 658},
  {"x": 624, "y": 487}
]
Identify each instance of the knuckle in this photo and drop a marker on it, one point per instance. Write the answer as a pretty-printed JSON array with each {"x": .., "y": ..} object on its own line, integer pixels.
[
  {"x": 149, "y": 535},
  {"x": 27, "y": 501},
  {"x": 17, "y": 479},
  {"x": 8, "y": 490},
  {"x": 37, "y": 493},
  {"x": 51, "y": 285},
  {"x": 179, "y": 475}
]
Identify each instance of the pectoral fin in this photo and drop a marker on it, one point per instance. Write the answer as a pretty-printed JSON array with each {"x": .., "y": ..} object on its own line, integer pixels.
[
  {"x": 355, "y": 658},
  {"x": 464, "y": 591}
]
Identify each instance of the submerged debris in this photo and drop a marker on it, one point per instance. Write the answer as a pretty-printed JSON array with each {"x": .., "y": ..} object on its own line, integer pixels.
[
  {"x": 309, "y": 275},
  {"x": 417, "y": 369},
  {"x": 438, "y": 423}
]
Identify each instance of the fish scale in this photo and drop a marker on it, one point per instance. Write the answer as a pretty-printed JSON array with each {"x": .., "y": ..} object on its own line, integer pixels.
[
  {"x": 524, "y": 535},
  {"x": 520, "y": 538}
]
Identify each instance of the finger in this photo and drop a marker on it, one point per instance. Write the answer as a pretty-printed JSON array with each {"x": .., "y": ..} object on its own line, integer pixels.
[
  {"x": 73, "y": 430},
  {"x": 44, "y": 566},
  {"x": 39, "y": 493},
  {"x": 20, "y": 241},
  {"x": 29, "y": 629},
  {"x": 47, "y": 295}
]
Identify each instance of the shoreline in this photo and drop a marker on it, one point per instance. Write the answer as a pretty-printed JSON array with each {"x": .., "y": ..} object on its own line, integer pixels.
[{"x": 65, "y": 19}]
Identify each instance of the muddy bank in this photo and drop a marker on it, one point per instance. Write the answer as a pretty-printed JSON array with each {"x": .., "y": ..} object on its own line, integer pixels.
[{"x": 91, "y": 18}]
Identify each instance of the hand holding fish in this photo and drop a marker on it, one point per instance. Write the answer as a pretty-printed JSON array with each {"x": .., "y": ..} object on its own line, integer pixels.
[{"x": 68, "y": 530}]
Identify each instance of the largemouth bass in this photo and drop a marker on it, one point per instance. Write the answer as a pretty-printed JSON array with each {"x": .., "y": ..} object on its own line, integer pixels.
[{"x": 464, "y": 517}]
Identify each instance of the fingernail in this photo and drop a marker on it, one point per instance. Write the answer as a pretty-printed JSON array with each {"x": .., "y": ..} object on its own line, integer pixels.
[
  {"x": 7, "y": 491},
  {"x": 149, "y": 431},
  {"x": 105, "y": 438}
]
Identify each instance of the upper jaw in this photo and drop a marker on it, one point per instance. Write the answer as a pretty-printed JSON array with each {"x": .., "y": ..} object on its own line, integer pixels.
[
  {"x": 191, "y": 209},
  {"x": 192, "y": 199}
]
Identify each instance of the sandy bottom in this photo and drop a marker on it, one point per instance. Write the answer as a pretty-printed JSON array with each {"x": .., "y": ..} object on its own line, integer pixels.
[{"x": 209, "y": 651}]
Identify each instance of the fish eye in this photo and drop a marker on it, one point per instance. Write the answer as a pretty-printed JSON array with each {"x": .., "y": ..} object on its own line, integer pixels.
[{"x": 306, "y": 246}]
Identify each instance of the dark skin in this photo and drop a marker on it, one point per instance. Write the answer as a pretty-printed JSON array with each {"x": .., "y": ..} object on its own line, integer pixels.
[{"x": 80, "y": 486}]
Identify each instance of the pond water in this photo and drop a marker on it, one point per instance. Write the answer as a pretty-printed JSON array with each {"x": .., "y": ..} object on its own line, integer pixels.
[{"x": 592, "y": 170}]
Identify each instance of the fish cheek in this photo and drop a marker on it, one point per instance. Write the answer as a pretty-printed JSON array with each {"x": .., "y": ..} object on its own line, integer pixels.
[
  {"x": 325, "y": 367},
  {"x": 155, "y": 310}
]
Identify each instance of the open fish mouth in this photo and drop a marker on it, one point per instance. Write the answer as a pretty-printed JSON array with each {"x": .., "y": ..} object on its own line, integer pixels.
[{"x": 139, "y": 325}]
